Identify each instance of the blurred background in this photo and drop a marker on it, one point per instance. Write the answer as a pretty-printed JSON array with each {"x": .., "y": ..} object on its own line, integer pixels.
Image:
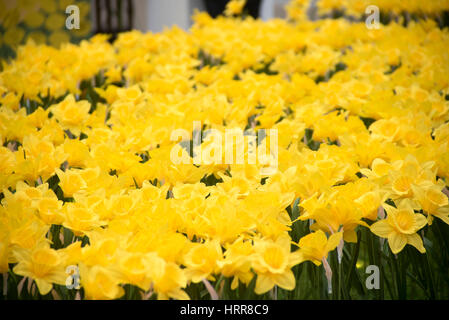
[
  {"x": 155, "y": 14},
  {"x": 44, "y": 21}
]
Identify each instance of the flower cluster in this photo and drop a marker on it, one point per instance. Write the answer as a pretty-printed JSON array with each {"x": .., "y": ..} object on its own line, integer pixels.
[
  {"x": 86, "y": 177},
  {"x": 42, "y": 21},
  {"x": 357, "y": 7}
]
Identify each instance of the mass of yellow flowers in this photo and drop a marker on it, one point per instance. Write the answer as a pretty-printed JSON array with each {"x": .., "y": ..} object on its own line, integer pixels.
[
  {"x": 87, "y": 181},
  {"x": 358, "y": 7},
  {"x": 42, "y": 21}
]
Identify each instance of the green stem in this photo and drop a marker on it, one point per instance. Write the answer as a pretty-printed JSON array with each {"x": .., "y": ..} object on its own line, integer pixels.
[
  {"x": 403, "y": 288},
  {"x": 396, "y": 273},
  {"x": 381, "y": 269},
  {"x": 429, "y": 275},
  {"x": 355, "y": 257}
]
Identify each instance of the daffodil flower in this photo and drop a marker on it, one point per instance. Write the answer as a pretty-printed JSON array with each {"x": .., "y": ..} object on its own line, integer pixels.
[
  {"x": 42, "y": 264},
  {"x": 401, "y": 227},
  {"x": 272, "y": 261}
]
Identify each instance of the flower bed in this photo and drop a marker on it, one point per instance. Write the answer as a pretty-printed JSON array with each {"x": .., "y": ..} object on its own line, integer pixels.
[{"x": 90, "y": 191}]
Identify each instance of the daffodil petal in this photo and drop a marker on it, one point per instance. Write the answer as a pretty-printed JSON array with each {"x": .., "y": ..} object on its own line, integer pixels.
[
  {"x": 397, "y": 242},
  {"x": 263, "y": 284},
  {"x": 286, "y": 280},
  {"x": 416, "y": 241},
  {"x": 381, "y": 228}
]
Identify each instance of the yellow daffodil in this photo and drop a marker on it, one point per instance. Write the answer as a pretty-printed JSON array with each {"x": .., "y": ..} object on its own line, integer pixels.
[
  {"x": 316, "y": 246},
  {"x": 433, "y": 202},
  {"x": 400, "y": 227},
  {"x": 272, "y": 261},
  {"x": 109, "y": 289},
  {"x": 201, "y": 260},
  {"x": 234, "y": 7},
  {"x": 42, "y": 264}
]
